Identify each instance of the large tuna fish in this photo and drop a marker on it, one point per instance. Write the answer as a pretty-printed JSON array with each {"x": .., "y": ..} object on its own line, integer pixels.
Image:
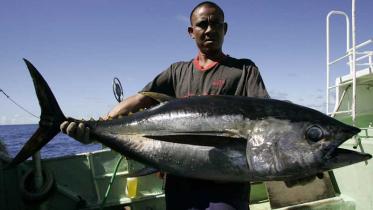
[{"x": 226, "y": 138}]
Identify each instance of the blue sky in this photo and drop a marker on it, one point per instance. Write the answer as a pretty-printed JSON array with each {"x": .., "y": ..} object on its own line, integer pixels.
[{"x": 79, "y": 46}]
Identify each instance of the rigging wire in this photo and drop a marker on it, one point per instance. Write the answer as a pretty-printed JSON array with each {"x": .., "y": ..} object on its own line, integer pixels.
[
  {"x": 111, "y": 183},
  {"x": 1, "y": 90}
]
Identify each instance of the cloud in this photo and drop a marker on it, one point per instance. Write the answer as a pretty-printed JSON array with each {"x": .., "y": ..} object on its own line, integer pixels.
[
  {"x": 278, "y": 95},
  {"x": 320, "y": 97},
  {"x": 14, "y": 119},
  {"x": 318, "y": 106},
  {"x": 301, "y": 99},
  {"x": 3, "y": 120},
  {"x": 183, "y": 19},
  {"x": 292, "y": 74},
  {"x": 315, "y": 102}
]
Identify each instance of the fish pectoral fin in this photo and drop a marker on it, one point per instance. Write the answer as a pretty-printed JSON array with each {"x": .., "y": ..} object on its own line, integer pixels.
[
  {"x": 157, "y": 96},
  {"x": 201, "y": 140},
  {"x": 303, "y": 181},
  {"x": 184, "y": 133},
  {"x": 234, "y": 133},
  {"x": 142, "y": 172},
  {"x": 223, "y": 133}
]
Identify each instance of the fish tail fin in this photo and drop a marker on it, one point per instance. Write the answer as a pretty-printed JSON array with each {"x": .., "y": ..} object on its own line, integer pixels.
[{"x": 50, "y": 118}]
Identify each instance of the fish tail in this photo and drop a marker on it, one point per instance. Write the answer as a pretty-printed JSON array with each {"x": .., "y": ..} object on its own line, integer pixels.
[{"x": 50, "y": 119}]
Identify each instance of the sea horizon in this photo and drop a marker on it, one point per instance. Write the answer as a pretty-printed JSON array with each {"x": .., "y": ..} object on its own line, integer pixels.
[{"x": 14, "y": 136}]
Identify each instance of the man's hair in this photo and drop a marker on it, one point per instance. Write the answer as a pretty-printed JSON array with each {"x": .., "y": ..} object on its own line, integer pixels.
[{"x": 208, "y": 3}]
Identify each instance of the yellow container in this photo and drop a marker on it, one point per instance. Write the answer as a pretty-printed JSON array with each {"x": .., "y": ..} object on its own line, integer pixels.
[{"x": 131, "y": 187}]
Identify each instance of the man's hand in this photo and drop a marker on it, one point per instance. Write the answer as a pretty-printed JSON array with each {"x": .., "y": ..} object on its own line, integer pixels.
[
  {"x": 77, "y": 131},
  {"x": 132, "y": 104}
]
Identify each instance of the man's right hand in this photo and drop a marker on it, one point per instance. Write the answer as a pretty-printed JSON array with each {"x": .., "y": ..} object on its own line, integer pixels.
[
  {"x": 133, "y": 103},
  {"x": 77, "y": 131}
]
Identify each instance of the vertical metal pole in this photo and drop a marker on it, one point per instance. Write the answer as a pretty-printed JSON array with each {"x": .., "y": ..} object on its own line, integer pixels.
[
  {"x": 38, "y": 176},
  {"x": 353, "y": 73},
  {"x": 327, "y": 62},
  {"x": 328, "y": 49},
  {"x": 38, "y": 173},
  {"x": 353, "y": 21}
]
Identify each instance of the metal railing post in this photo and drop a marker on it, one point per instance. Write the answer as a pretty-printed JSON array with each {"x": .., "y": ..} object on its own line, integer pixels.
[{"x": 328, "y": 49}]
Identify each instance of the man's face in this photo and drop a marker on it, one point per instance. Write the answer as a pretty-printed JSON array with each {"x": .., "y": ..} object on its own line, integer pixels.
[{"x": 208, "y": 29}]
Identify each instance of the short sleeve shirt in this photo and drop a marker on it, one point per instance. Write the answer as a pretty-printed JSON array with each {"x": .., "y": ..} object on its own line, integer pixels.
[
  {"x": 183, "y": 79},
  {"x": 229, "y": 77}
]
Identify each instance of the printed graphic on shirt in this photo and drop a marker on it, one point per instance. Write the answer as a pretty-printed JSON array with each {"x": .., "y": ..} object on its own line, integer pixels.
[
  {"x": 219, "y": 83},
  {"x": 230, "y": 77}
]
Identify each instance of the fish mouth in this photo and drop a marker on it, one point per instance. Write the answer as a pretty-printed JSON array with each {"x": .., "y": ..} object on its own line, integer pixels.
[
  {"x": 344, "y": 157},
  {"x": 347, "y": 132},
  {"x": 337, "y": 157}
]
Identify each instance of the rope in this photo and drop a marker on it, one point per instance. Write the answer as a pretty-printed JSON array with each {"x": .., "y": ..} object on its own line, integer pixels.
[
  {"x": 18, "y": 104},
  {"x": 111, "y": 183}
]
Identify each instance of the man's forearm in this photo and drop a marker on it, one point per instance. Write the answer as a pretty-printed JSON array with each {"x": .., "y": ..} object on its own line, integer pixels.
[{"x": 132, "y": 104}]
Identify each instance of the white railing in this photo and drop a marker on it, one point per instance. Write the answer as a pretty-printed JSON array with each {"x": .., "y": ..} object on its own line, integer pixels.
[
  {"x": 328, "y": 62},
  {"x": 356, "y": 58},
  {"x": 362, "y": 59}
]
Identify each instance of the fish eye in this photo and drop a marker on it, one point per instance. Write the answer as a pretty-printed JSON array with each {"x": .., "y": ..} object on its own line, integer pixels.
[{"x": 314, "y": 133}]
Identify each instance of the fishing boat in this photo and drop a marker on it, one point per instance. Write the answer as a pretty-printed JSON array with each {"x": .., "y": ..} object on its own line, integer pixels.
[{"x": 97, "y": 180}]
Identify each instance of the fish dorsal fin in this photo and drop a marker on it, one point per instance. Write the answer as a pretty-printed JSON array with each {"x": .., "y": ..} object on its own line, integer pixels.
[{"x": 160, "y": 97}]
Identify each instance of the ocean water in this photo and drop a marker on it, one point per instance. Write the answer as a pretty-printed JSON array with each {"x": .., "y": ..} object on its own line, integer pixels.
[{"x": 15, "y": 136}]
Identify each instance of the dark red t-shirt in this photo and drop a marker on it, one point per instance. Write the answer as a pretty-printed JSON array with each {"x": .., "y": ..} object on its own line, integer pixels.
[{"x": 229, "y": 77}]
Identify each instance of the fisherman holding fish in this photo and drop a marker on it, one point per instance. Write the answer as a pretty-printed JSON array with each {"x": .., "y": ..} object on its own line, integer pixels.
[
  {"x": 211, "y": 147},
  {"x": 211, "y": 72}
]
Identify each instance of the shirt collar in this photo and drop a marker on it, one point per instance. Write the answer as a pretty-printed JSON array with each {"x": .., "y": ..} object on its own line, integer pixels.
[{"x": 208, "y": 67}]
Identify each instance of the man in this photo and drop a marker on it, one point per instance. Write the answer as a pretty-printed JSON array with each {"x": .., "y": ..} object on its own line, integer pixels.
[{"x": 210, "y": 73}]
